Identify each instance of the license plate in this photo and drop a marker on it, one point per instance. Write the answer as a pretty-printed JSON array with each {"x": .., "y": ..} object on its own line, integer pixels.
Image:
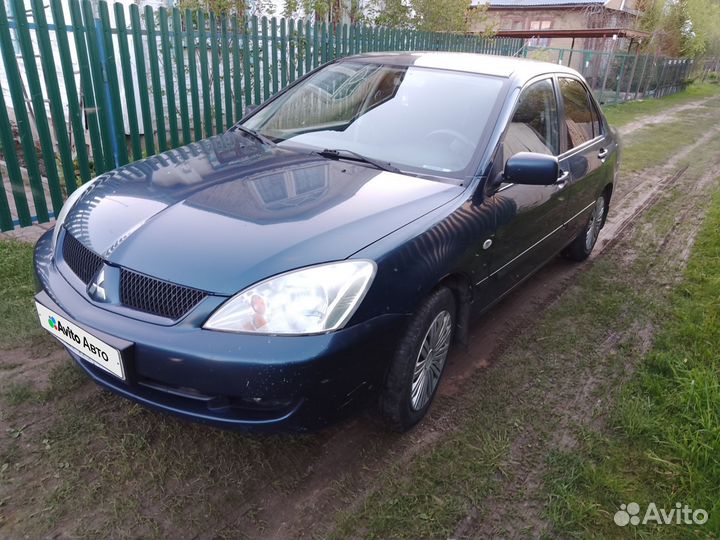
[{"x": 81, "y": 341}]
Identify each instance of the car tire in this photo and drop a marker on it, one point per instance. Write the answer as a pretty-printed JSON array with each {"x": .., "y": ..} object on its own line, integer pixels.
[
  {"x": 582, "y": 246},
  {"x": 419, "y": 362}
]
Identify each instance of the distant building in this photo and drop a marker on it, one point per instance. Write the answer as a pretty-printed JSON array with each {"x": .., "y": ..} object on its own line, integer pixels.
[{"x": 578, "y": 24}]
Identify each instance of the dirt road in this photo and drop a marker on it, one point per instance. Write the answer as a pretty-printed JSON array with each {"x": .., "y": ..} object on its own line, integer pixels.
[{"x": 295, "y": 487}]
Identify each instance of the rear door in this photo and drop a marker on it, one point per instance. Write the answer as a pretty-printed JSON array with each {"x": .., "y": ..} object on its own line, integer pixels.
[{"x": 585, "y": 151}]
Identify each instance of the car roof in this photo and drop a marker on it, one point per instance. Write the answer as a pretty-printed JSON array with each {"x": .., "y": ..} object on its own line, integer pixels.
[{"x": 484, "y": 64}]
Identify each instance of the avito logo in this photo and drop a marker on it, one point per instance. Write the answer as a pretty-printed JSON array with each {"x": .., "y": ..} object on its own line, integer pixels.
[
  {"x": 629, "y": 514},
  {"x": 58, "y": 326}
]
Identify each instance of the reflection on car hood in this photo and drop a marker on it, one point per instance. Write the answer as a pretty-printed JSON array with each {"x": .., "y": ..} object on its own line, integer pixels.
[{"x": 226, "y": 212}]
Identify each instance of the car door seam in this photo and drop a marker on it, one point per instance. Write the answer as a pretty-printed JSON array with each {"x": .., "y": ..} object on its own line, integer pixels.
[{"x": 535, "y": 244}]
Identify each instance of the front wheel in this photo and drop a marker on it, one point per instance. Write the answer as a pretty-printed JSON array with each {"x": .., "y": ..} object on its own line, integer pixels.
[
  {"x": 419, "y": 362},
  {"x": 584, "y": 243}
]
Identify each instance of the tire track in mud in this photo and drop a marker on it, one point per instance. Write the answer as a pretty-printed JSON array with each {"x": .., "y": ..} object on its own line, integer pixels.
[
  {"x": 666, "y": 116},
  {"x": 355, "y": 452}
]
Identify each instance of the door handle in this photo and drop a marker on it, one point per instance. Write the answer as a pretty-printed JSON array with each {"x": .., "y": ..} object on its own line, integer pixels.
[
  {"x": 602, "y": 153},
  {"x": 562, "y": 179}
]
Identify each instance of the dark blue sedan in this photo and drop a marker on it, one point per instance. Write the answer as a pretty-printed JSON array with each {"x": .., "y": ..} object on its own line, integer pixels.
[{"x": 331, "y": 247}]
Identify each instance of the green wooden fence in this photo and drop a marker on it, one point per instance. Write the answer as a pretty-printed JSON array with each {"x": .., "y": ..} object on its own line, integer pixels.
[
  {"x": 124, "y": 83},
  {"x": 619, "y": 76}
]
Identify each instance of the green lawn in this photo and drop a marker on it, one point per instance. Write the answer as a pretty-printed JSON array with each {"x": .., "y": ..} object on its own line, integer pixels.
[
  {"x": 17, "y": 311},
  {"x": 664, "y": 446}
]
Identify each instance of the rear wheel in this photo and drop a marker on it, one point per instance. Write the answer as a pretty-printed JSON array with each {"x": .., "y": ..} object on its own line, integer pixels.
[
  {"x": 419, "y": 362},
  {"x": 583, "y": 245}
]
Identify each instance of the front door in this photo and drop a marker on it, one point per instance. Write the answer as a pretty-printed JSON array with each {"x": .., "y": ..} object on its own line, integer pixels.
[{"x": 529, "y": 218}]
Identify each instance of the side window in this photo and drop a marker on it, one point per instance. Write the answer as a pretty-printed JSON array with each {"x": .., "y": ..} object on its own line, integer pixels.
[
  {"x": 578, "y": 112},
  {"x": 534, "y": 126}
]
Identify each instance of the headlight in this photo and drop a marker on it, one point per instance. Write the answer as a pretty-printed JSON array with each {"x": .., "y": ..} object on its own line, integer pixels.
[
  {"x": 65, "y": 210},
  {"x": 311, "y": 300}
]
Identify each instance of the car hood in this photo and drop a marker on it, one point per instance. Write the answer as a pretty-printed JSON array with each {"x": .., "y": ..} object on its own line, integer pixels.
[{"x": 229, "y": 211}]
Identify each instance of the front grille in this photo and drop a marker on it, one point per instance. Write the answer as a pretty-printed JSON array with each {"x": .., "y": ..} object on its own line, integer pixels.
[
  {"x": 155, "y": 296},
  {"x": 83, "y": 262}
]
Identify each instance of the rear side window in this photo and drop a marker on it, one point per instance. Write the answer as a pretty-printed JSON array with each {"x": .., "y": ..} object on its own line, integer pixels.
[
  {"x": 534, "y": 126},
  {"x": 579, "y": 114}
]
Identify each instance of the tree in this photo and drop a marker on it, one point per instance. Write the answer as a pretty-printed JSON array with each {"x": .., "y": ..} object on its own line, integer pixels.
[
  {"x": 428, "y": 15},
  {"x": 441, "y": 16},
  {"x": 681, "y": 27},
  {"x": 332, "y": 11},
  {"x": 230, "y": 7},
  {"x": 394, "y": 13}
]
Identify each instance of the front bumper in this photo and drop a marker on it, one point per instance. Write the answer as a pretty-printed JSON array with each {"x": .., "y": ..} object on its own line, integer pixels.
[{"x": 236, "y": 381}]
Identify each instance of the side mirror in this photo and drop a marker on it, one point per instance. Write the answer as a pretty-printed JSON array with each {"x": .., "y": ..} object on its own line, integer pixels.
[{"x": 532, "y": 169}]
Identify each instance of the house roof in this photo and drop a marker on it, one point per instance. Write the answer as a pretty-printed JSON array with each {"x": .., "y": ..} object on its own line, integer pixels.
[{"x": 536, "y": 3}]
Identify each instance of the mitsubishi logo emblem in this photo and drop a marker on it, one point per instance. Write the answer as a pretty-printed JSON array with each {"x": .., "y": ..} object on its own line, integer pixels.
[{"x": 97, "y": 288}]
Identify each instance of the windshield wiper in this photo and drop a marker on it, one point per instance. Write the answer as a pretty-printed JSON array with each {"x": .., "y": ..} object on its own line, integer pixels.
[
  {"x": 257, "y": 135},
  {"x": 341, "y": 153}
]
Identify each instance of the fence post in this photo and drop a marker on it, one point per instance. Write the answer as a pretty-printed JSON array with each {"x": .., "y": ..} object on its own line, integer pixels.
[
  {"x": 204, "y": 76},
  {"x": 256, "y": 61},
  {"x": 642, "y": 77},
  {"x": 237, "y": 72},
  {"x": 227, "y": 77},
  {"x": 300, "y": 48},
  {"x": 217, "y": 92},
  {"x": 619, "y": 81},
  {"x": 168, "y": 76},
  {"x": 6, "y": 223},
  {"x": 315, "y": 46},
  {"x": 274, "y": 55},
  {"x": 112, "y": 86},
  {"x": 283, "y": 53},
  {"x": 611, "y": 56},
  {"x": 628, "y": 90},
  {"x": 653, "y": 68},
  {"x": 661, "y": 79},
  {"x": 144, "y": 93},
  {"x": 265, "y": 59},
  {"x": 180, "y": 68},
  {"x": 291, "y": 51},
  {"x": 247, "y": 74},
  {"x": 128, "y": 81}
]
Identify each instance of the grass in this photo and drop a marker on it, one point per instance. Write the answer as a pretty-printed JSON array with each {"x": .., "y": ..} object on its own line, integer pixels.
[
  {"x": 17, "y": 311},
  {"x": 665, "y": 441},
  {"x": 19, "y": 393},
  {"x": 650, "y": 146},
  {"x": 624, "y": 113}
]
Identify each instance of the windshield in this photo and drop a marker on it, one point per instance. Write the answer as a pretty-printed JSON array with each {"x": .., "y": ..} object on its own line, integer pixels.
[{"x": 417, "y": 119}]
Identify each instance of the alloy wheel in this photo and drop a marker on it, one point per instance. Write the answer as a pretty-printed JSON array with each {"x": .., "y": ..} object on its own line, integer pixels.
[
  {"x": 430, "y": 360},
  {"x": 593, "y": 229}
]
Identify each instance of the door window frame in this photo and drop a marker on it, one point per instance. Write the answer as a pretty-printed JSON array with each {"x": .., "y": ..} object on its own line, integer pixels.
[
  {"x": 566, "y": 152},
  {"x": 552, "y": 77}
]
